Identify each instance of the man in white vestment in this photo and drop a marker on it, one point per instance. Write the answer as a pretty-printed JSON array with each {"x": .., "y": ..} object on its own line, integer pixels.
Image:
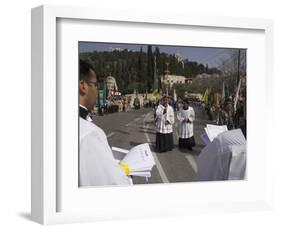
[
  {"x": 164, "y": 126},
  {"x": 186, "y": 116},
  {"x": 97, "y": 166}
]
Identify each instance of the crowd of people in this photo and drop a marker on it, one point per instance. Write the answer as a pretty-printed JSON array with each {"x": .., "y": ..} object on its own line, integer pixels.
[
  {"x": 114, "y": 104},
  {"x": 123, "y": 103},
  {"x": 97, "y": 165},
  {"x": 226, "y": 113}
]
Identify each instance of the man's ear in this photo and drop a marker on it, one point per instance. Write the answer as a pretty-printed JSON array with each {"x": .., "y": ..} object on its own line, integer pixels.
[{"x": 82, "y": 87}]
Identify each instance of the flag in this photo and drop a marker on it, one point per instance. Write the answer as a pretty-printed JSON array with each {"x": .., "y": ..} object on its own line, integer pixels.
[
  {"x": 114, "y": 90},
  {"x": 216, "y": 101},
  {"x": 155, "y": 92},
  {"x": 223, "y": 92},
  {"x": 237, "y": 95},
  {"x": 205, "y": 97},
  {"x": 175, "y": 95},
  {"x": 104, "y": 90},
  {"x": 155, "y": 77}
]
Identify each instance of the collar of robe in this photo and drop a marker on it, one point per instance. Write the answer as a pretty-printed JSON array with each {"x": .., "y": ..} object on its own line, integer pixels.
[{"x": 85, "y": 114}]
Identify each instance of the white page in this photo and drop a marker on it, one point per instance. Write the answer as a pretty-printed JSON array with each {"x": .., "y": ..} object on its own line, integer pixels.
[
  {"x": 119, "y": 153},
  {"x": 214, "y": 130},
  {"x": 141, "y": 168},
  {"x": 142, "y": 174},
  {"x": 139, "y": 157},
  {"x": 125, "y": 151}
]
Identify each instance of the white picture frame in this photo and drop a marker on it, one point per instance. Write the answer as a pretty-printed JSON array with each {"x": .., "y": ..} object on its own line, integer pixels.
[{"x": 46, "y": 181}]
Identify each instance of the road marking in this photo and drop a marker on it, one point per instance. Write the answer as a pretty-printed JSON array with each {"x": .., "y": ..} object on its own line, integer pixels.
[
  {"x": 110, "y": 134},
  {"x": 128, "y": 124},
  {"x": 192, "y": 162},
  {"x": 134, "y": 121},
  {"x": 157, "y": 162}
]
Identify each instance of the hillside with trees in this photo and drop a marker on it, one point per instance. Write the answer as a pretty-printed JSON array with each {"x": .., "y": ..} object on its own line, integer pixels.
[{"x": 135, "y": 69}]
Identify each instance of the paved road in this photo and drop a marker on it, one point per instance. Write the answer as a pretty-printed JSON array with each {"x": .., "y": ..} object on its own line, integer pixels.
[{"x": 127, "y": 129}]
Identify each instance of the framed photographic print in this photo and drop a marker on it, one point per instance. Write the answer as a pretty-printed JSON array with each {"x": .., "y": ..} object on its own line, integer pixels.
[{"x": 139, "y": 114}]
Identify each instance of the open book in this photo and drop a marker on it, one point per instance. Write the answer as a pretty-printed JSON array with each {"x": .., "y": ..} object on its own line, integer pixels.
[{"x": 136, "y": 162}]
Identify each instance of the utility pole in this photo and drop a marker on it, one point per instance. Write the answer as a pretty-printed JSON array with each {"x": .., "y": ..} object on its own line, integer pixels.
[
  {"x": 238, "y": 74},
  {"x": 155, "y": 83}
]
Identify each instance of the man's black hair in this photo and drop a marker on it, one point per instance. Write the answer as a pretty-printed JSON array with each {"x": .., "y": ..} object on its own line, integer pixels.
[
  {"x": 186, "y": 100},
  {"x": 84, "y": 70}
]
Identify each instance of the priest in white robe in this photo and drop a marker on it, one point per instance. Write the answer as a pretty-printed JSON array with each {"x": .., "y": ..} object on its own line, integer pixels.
[
  {"x": 186, "y": 117},
  {"x": 97, "y": 166},
  {"x": 164, "y": 126}
]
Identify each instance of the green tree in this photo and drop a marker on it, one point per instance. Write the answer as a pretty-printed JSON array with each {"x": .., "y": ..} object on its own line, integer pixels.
[{"x": 150, "y": 68}]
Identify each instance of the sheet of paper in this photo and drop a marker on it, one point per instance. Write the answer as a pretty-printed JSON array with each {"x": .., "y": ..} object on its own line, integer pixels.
[
  {"x": 214, "y": 130},
  {"x": 119, "y": 153},
  {"x": 141, "y": 173},
  {"x": 125, "y": 151}
]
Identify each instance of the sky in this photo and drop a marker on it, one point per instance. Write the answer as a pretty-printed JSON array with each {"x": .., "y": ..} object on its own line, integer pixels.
[{"x": 211, "y": 56}]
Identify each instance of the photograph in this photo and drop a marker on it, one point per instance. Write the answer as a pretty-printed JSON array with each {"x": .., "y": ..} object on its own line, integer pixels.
[
  {"x": 149, "y": 113},
  {"x": 152, "y": 113}
]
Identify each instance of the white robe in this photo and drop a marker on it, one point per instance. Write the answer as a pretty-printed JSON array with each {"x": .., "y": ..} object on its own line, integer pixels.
[
  {"x": 161, "y": 119},
  {"x": 185, "y": 129},
  {"x": 97, "y": 167},
  {"x": 223, "y": 158}
]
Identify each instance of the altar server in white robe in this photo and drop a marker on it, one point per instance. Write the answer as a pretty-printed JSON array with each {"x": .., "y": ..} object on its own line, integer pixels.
[
  {"x": 97, "y": 166},
  {"x": 186, "y": 117},
  {"x": 164, "y": 126}
]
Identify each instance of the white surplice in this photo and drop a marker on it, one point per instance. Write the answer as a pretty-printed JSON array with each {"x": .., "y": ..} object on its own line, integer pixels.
[
  {"x": 162, "y": 126},
  {"x": 224, "y": 158},
  {"x": 97, "y": 165},
  {"x": 185, "y": 129}
]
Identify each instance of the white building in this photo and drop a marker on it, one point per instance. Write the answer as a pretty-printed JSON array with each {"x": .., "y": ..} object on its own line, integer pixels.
[
  {"x": 173, "y": 79},
  {"x": 205, "y": 75},
  {"x": 111, "y": 49}
]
